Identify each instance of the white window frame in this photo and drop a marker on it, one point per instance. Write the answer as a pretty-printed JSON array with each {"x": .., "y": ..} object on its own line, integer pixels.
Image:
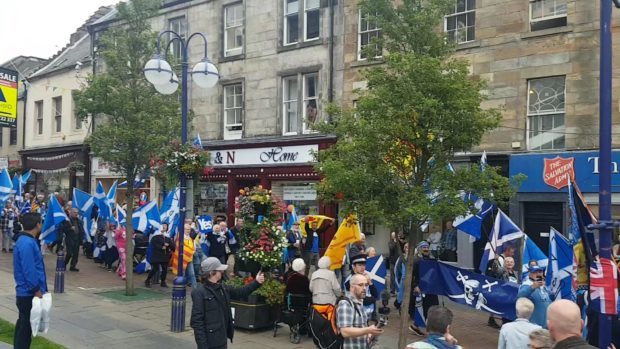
[
  {"x": 286, "y": 102},
  {"x": 456, "y": 14},
  {"x": 546, "y": 18},
  {"x": 285, "y": 37},
  {"x": 78, "y": 123},
  {"x": 305, "y": 23},
  {"x": 304, "y": 79},
  {"x": 240, "y": 23},
  {"x": 12, "y": 131},
  {"x": 228, "y": 132},
  {"x": 38, "y": 107},
  {"x": 182, "y": 20},
  {"x": 57, "y": 114},
  {"x": 530, "y": 115},
  {"x": 368, "y": 32}
]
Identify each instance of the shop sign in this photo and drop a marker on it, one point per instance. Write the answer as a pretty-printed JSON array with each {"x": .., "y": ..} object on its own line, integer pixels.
[
  {"x": 299, "y": 193},
  {"x": 102, "y": 168},
  {"x": 8, "y": 98},
  {"x": 4, "y": 162},
  {"x": 550, "y": 172},
  {"x": 558, "y": 171},
  {"x": 297, "y": 154}
]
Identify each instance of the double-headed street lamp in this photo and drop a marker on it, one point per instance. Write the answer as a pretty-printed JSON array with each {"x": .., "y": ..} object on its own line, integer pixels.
[{"x": 159, "y": 72}]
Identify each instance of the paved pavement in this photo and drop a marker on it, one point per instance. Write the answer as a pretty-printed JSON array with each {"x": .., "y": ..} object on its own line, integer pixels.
[{"x": 82, "y": 319}]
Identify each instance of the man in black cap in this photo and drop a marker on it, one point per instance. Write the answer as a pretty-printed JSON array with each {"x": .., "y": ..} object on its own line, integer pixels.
[
  {"x": 358, "y": 266},
  {"x": 211, "y": 318}
]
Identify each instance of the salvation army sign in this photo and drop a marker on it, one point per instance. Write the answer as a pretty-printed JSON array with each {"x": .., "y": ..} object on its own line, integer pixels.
[{"x": 558, "y": 171}]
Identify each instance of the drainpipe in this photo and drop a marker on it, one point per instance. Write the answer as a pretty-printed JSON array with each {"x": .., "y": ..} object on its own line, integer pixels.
[
  {"x": 330, "y": 92},
  {"x": 25, "y": 98}
]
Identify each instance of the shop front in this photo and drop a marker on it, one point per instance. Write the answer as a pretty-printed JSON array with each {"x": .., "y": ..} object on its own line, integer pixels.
[
  {"x": 542, "y": 199},
  {"x": 284, "y": 165},
  {"x": 102, "y": 172},
  {"x": 58, "y": 169}
]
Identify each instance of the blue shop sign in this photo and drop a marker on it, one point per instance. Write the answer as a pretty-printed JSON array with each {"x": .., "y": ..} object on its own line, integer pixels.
[{"x": 548, "y": 173}]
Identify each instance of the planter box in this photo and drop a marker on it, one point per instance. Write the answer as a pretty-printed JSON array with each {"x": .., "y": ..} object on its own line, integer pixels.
[{"x": 251, "y": 316}]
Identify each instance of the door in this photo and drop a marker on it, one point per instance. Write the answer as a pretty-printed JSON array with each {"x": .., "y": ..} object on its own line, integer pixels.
[{"x": 538, "y": 217}]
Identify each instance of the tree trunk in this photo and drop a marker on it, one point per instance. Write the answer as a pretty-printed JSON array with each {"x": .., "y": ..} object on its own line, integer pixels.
[
  {"x": 129, "y": 289},
  {"x": 414, "y": 237}
]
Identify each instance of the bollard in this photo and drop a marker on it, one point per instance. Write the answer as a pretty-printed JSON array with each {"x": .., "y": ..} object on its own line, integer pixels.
[
  {"x": 177, "y": 321},
  {"x": 59, "y": 278}
]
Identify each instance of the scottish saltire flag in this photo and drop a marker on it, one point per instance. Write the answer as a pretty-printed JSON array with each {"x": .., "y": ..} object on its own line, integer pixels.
[
  {"x": 377, "y": 270},
  {"x": 25, "y": 207},
  {"x": 531, "y": 251},
  {"x": 292, "y": 219},
  {"x": 101, "y": 200},
  {"x": 138, "y": 182},
  {"x": 112, "y": 194},
  {"x": 6, "y": 186},
  {"x": 169, "y": 211},
  {"x": 560, "y": 273},
  {"x": 197, "y": 142},
  {"x": 504, "y": 232},
  {"x": 84, "y": 203},
  {"x": 604, "y": 286},
  {"x": 54, "y": 216},
  {"x": 471, "y": 223},
  {"x": 418, "y": 312},
  {"x": 121, "y": 216},
  {"x": 25, "y": 177},
  {"x": 16, "y": 184},
  {"x": 466, "y": 287},
  {"x": 146, "y": 216},
  {"x": 483, "y": 161}
]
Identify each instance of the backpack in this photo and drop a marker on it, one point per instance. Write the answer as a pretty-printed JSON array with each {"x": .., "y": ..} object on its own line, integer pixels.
[{"x": 323, "y": 320}]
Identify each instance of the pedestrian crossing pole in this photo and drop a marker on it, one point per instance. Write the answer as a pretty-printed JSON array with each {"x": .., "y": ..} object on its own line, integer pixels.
[{"x": 59, "y": 277}]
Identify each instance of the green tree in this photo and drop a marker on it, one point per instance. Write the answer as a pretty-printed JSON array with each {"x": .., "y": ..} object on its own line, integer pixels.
[
  {"x": 137, "y": 122},
  {"x": 390, "y": 163}
]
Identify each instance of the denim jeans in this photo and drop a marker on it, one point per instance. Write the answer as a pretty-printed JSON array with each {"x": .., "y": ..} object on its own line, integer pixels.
[{"x": 190, "y": 275}]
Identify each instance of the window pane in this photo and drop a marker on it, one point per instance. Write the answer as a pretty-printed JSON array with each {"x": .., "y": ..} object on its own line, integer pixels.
[
  {"x": 292, "y": 26},
  {"x": 313, "y": 4},
  {"x": 311, "y": 88},
  {"x": 292, "y": 6},
  {"x": 451, "y": 23},
  {"x": 536, "y": 10},
  {"x": 312, "y": 24},
  {"x": 460, "y": 5},
  {"x": 546, "y": 95},
  {"x": 471, "y": 4},
  {"x": 471, "y": 34},
  {"x": 291, "y": 89},
  {"x": 471, "y": 19},
  {"x": 291, "y": 116},
  {"x": 230, "y": 117},
  {"x": 363, "y": 23}
]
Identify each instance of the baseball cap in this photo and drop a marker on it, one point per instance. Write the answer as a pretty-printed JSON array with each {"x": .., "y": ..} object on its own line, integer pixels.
[
  {"x": 211, "y": 264},
  {"x": 535, "y": 268}
]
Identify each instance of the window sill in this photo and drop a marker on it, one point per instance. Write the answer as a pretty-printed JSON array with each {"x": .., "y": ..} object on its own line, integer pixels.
[
  {"x": 545, "y": 32},
  {"x": 238, "y": 57},
  {"x": 299, "y": 45},
  {"x": 367, "y": 62},
  {"x": 467, "y": 45}
]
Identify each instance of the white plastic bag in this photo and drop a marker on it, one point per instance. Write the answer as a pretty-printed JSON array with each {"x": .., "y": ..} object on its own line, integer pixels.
[
  {"x": 46, "y": 307},
  {"x": 35, "y": 315}
]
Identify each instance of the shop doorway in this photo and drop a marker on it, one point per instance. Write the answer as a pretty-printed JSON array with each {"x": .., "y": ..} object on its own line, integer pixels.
[
  {"x": 246, "y": 184},
  {"x": 538, "y": 217}
]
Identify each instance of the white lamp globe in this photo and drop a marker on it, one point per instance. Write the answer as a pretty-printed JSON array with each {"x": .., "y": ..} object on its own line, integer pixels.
[
  {"x": 170, "y": 87},
  {"x": 205, "y": 74},
  {"x": 157, "y": 71}
]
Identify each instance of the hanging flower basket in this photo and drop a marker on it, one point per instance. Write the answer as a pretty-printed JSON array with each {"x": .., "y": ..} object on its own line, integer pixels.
[{"x": 182, "y": 158}]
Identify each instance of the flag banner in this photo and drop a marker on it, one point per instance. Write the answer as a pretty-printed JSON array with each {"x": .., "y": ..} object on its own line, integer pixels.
[
  {"x": 531, "y": 252},
  {"x": 290, "y": 218},
  {"x": 319, "y": 219},
  {"x": 604, "y": 286},
  {"x": 169, "y": 211},
  {"x": 560, "y": 274},
  {"x": 465, "y": 287},
  {"x": 146, "y": 217},
  {"x": 197, "y": 142},
  {"x": 121, "y": 215},
  {"x": 504, "y": 233},
  {"x": 54, "y": 216},
  {"x": 6, "y": 186},
  {"x": 205, "y": 224},
  {"x": 377, "y": 270},
  {"x": 418, "y": 316},
  {"x": 101, "y": 200},
  {"x": 348, "y": 232},
  {"x": 471, "y": 223},
  {"x": 582, "y": 240},
  {"x": 188, "y": 253}
]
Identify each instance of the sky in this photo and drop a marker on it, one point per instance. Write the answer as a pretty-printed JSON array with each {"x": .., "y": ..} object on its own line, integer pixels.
[{"x": 42, "y": 27}]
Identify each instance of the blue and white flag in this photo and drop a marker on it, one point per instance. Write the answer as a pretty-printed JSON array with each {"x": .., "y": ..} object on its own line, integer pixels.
[
  {"x": 197, "y": 142},
  {"x": 205, "y": 224},
  {"x": 531, "y": 251},
  {"x": 54, "y": 216},
  {"x": 560, "y": 273},
  {"x": 169, "y": 211},
  {"x": 6, "y": 186},
  {"x": 483, "y": 161},
  {"x": 418, "y": 312},
  {"x": 25, "y": 177},
  {"x": 112, "y": 194},
  {"x": 16, "y": 185},
  {"x": 101, "y": 200},
  {"x": 378, "y": 271},
  {"x": 466, "y": 287},
  {"x": 84, "y": 203},
  {"x": 25, "y": 207},
  {"x": 138, "y": 182},
  {"x": 121, "y": 216},
  {"x": 504, "y": 232},
  {"x": 146, "y": 216},
  {"x": 472, "y": 222}
]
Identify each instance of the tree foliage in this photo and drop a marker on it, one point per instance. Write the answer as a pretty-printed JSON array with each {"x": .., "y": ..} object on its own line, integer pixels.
[{"x": 137, "y": 122}]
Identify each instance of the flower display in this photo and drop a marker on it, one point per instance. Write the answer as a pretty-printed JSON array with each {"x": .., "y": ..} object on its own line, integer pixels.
[{"x": 183, "y": 158}]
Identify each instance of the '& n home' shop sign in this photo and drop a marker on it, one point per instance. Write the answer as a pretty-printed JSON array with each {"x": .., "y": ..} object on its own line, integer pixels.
[
  {"x": 550, "y": 172},
  {"x": 287, "y": 155}
]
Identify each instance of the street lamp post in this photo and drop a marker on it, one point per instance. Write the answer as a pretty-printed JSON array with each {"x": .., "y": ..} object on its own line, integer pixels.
[{"x": 159, "y": 72}]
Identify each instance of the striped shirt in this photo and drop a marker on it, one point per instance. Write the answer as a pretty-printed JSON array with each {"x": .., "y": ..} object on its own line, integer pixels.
[{"x": 351, "y": 314}]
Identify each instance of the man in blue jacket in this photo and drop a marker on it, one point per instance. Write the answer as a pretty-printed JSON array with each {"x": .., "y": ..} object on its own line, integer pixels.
[
  {"x": 29, "y": 274},
  {"x": 535, "y": 290}
]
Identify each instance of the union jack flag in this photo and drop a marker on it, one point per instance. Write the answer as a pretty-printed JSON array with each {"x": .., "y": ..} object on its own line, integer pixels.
[{"x": 604, "y": 285}]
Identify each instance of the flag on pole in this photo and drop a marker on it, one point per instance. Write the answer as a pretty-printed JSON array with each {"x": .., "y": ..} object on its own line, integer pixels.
[
  {"x": 197, "y": 142},
  {"x": 169, "y": 211},
  {"x": 504, "y": 232},
  {"x": 531, "y": 251},
  {"x": 483, "y": 161},
  {"x": 6, "y": 186},
  {"x": 348, "y": 232},
  {"x": 418, "y": 313},
  {"x": 25, "y": 177},
  {"x": 146, "y": 216},
  {"x": 55, "y": 215},
  {"x": 378, "y": 271},
  {"x": 471, "y": 223},
  {"x": 84, "y": 203},
  {"x": 604, "y": 286},
  {"x": 560, "y": 273},
  {"x": 25, "y": 208},
  {"x": 582, "y": 240},
  {"x": 121, "y": 216},
  {"x": 138, "y": 181},
  {"x": 319, "y": 219},
  {"x": 101, "y": 200}
]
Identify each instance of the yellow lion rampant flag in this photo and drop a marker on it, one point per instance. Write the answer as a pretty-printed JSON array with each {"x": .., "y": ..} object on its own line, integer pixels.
[
  {"x": 348, "y": 232},
  {"x": 311, "y": 219}
]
